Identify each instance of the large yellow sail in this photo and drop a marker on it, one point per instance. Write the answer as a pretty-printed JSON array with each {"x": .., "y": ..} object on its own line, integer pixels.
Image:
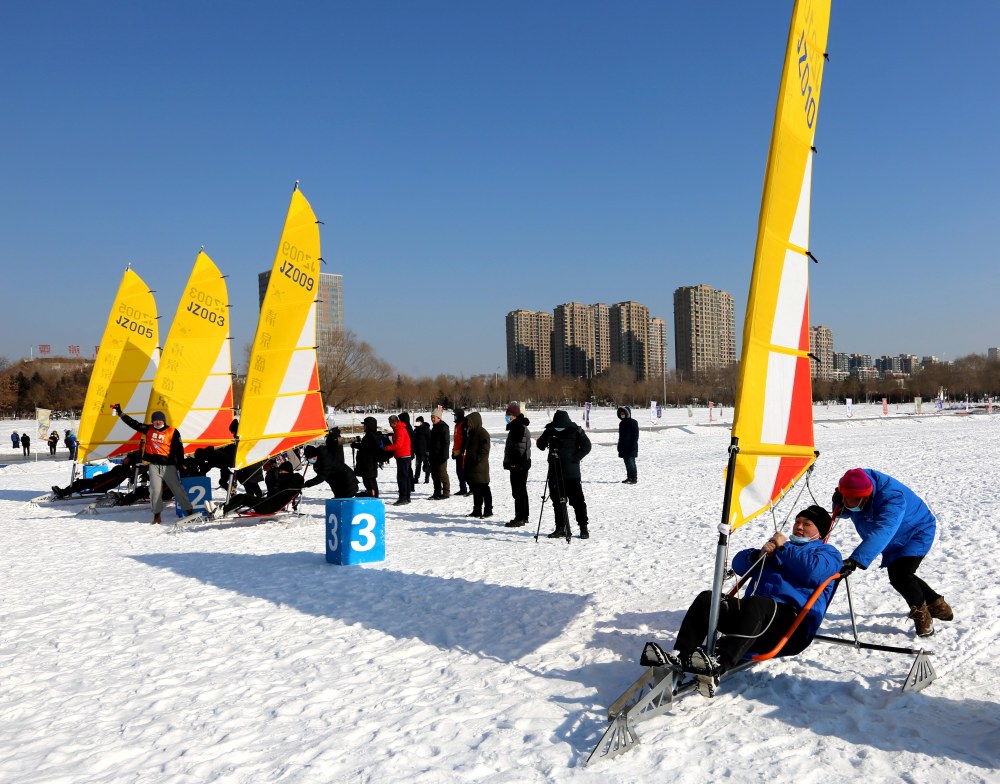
[
  {"x": 773, "y": 416},
  {"x": 123, "y": 372},
  {"x": 194, "y": 383},
  {"x": 282, "y": 406}
]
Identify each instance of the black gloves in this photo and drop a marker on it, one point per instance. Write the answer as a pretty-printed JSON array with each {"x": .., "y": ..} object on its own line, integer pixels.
[
  {"x": 116, "y": 407},
  {"x": 849, "y": 566},
  {"x": 838, "y": 499}
]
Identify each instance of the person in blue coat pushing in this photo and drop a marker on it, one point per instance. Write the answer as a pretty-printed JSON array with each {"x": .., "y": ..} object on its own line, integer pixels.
[{"x": 892, "y": 520}]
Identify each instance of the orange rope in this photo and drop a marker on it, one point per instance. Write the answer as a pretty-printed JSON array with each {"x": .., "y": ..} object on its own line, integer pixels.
[{"x": 795, "y": 624}]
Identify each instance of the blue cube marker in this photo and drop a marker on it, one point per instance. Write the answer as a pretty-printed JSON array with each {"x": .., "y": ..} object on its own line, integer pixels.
[
  {"x": 90, "y": 471},
  {"x": 355, "y": 530},
  {"x": 199, "y": 490}
]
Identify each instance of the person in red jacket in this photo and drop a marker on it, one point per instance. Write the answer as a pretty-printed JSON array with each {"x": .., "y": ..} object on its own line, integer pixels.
[{"x": 401, "y": 450}]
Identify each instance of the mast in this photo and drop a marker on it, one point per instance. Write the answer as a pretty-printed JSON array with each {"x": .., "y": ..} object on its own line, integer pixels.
[{"x": 772, "y": 435}]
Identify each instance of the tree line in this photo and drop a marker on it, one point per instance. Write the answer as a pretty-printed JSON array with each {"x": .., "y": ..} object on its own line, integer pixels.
[{"x": 358, "y": 379}]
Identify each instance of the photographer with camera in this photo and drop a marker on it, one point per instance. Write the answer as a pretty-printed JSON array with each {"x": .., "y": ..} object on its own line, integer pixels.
[
  {"x": 369, "y": 457},
  {"x": 567, "y": 445}
]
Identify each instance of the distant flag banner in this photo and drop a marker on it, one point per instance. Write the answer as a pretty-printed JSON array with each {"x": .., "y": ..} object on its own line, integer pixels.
[
  {"x": 850, "y": 408},
  {"x": 586, "y": 415},
  {"x": 331, "y": 416},
  {"x": 652, "y": 412},
  {"x": 43, "y": 416},
  {"x": 44, "y": 348},
  {"x": 917, "y": 402},
  {"x": 885, "y": 406},
  {"x": 989, "y": 405},
  {"x": 74, "y": 351},
  {"x": 711, "y": 408}
]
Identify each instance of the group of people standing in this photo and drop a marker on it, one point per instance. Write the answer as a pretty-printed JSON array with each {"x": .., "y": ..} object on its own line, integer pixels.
[{"x": 22, "y": 441}]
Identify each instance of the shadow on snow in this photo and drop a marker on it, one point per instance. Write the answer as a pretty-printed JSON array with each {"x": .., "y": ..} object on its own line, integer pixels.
[{"x": 448, "y": 613}]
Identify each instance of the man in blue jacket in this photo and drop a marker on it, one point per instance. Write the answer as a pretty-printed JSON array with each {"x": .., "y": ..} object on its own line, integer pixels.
[
  {"x": 628, "y": 444},
  {"x": 793, "y": 568},
  {"x": 892, "y": 520}
]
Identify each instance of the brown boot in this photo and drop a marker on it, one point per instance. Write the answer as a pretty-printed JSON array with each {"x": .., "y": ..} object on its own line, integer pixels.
[
  {"x": 156, "y": 518},
  {"x": 939, "y": 609},
  {"x": 922, "y": 619}
]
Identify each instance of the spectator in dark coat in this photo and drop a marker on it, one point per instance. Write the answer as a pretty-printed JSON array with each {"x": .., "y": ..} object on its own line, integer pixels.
[
  {"x": 15, "y": 440},
  {"x": 53, "y": 442},
  {"x": 337, "y": 475},
  {"x": 477, "y": 466},
  {"x": 517, "y": 460},
  {"x": 567, "y": 445},
  {"x": 369, "y": 456},
  {"x": 421, "y": 443},
  {"x": 335, "y": 445},
  {"x": 628, "y": 443},
  {"x": 458, "y": 450},
  {"x": 26, "y": 444},
  {"x": 438, "y": 451}
]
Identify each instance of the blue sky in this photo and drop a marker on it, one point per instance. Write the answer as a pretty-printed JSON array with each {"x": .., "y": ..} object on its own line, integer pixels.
[{"x": 471, "y": 158}]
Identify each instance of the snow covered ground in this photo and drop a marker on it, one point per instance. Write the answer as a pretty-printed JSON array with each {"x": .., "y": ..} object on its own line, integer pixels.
[{"x": 129, "y": 653}]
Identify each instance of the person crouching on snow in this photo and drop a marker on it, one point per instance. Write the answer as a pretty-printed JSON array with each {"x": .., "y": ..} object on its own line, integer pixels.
[
  {"x": 163, "y": 452},
  {"x": 892, "y": 520},
  {"x": 793, "y": 568}
]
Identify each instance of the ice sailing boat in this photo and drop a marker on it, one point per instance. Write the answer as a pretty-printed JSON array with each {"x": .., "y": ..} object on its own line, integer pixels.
[
  {"x": 771, "y": 445},
  {"x": 123, "y": 373},
  {"x": 193, "y": 385},
  {"x": 282, "y": 406}
]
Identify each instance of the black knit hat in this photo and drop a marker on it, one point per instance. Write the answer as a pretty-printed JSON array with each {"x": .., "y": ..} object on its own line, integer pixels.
[
  {"x": 819, "y": 517},
  {"x": 310, "y": 451}
]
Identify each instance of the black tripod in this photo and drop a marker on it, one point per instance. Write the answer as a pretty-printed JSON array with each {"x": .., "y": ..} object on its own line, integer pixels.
[{"x": 554, "y": 481}]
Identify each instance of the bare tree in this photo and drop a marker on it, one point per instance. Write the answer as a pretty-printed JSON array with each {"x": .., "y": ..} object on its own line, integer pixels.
[{"x": 353, "y": 374}]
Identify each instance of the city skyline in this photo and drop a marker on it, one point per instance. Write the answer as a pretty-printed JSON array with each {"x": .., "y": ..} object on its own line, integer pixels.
[{"x": 468, "y": 159}]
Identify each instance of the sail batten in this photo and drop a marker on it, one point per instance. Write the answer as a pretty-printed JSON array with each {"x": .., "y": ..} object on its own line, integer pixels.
[{"x": 772, "y": 422}]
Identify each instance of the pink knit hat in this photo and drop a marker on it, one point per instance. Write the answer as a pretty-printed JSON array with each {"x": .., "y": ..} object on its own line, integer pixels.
[{"x": 855, "y": 484}]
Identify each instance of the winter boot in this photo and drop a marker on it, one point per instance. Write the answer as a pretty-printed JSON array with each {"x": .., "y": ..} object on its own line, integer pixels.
[
  {"x": 515, "y": 523},
  {"x": 922, "y": 619},
  {"x": 584, "y": 533},
  {"x": 488, "y": 512},
  {"x": 156, "y": 518},
  {"x": 559, "y": 533},
  {"x": 707, "y": 671},
  {"x": 939, "y": 609}
]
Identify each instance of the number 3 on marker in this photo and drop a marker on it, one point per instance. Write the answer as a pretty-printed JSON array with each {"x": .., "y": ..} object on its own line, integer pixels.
[{"x": 364, "y": 533}]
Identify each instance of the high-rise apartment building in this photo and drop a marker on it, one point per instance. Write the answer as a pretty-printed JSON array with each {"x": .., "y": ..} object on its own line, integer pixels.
[
  {"x": 629, "y": 327},
  {"x": 329, "y": 313},
  {"x": 573, "y": 341},
  {"x": 704, "y": 328},
  {"x": 602, "y": 337},
  {"x": 529, "y": 344},
  {"x": 656, "y": 366},
  {"x": 821, "y": 347}
]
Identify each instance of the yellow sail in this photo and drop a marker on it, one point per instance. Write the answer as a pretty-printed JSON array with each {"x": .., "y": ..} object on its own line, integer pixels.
[
  {"x": 773, "y": 417},
  {"x": 123, "y": 372},
  {"x": 193, "y": 384},
  {"x": 282, "y": 406}
]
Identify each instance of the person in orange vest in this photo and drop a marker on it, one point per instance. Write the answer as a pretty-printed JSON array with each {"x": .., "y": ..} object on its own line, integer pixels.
[{"x": 163, "y": 452}]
